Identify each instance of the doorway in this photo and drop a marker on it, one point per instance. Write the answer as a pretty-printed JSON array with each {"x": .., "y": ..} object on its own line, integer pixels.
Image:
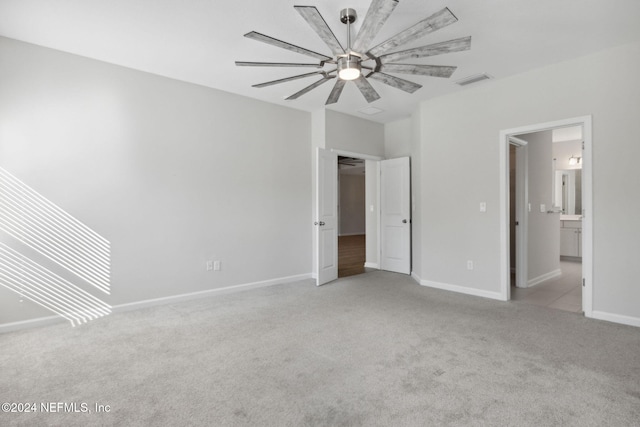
[
  {"x": 388, "y": 220},
  {"x": 351, "y": 216},
  {"x": 544, "y": 160},
  {"x": 570, "y": 276}
]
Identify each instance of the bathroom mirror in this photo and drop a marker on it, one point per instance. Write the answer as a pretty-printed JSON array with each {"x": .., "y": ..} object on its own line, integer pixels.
[{"x": 568, "y": 191}]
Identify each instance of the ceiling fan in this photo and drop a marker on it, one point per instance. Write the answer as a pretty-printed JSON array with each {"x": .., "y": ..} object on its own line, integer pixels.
[{"x": 348, "y": 64}]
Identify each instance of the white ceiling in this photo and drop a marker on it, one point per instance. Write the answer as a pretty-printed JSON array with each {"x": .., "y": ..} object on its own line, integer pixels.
[{"x": 198, "y": 40}]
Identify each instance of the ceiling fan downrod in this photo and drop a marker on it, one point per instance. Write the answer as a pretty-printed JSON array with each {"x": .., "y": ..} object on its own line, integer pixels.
[{"x": 349, "y": 66}]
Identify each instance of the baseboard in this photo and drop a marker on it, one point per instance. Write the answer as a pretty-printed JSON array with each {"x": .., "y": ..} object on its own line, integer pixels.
[
  {"x": 31, "y": 323},
  {"x": 616, "y": 318},
  {"x": 45, "y": 321},
  {"x": 544, "y": 277},
  {"x": 415, "y": 277},
  {"x": 209, "y": 292},
  {"x": 462, "y": 289},
  {"x": 372, "y": 265}
]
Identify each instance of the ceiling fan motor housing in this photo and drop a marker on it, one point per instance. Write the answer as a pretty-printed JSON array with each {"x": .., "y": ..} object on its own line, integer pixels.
[{"x": 349, "y": 67}]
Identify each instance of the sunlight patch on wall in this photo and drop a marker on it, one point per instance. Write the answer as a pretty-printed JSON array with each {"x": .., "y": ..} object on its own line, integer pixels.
[
  {"x": 35, "y": 283},
  {"x": 38, "y": 223},
  {"x": 44, "y": 227}
]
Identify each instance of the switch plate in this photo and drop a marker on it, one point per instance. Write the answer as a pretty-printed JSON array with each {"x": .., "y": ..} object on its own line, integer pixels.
[
  {"x": 543, "y": 208},
  {"x": 216, "y": 265},
  {"x": 469, "y": 265},
  {"x": 209, "y": 265},
  {"x": 483, "y": 206}
]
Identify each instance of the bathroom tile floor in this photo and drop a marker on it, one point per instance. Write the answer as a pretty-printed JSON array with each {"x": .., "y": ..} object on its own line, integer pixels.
[{"x": 563, "y": 292}]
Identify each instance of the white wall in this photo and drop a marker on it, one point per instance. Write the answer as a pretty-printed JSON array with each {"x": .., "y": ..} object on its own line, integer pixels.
[
  {"x": 543, "y": 261},
  {"x": 397, "y": 138},
  {"x": 172, "y": 174},
  {"x": 353, "y": 134},
  {"x": 460, "y": 168},
  {"x": 372, "y": 213}
]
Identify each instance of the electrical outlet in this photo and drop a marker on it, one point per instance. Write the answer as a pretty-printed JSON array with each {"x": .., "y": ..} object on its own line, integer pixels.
[
  {"x": 469, "y": 265},
  {"x": 209, "y": 265},
  {"x": 216, "y": 265}
]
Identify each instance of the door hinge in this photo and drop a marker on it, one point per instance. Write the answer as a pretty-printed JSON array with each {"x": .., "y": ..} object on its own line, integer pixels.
[
  {"x": 583, "y": 145},
  {"x": 583, "y": 282}
]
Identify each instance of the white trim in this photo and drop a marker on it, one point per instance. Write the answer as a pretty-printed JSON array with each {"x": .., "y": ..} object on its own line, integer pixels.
[
  {"x": 522, "y": 213},
  {"x": 31, "y": 323},
  {"x": 616, "y": 318},
  {"x": 372, "y": 265},
  {"x": 43, "y": 321},
  {"x": 210, "y": 292},
  {"x": 544, "y": 277},
  {"x": 356, "y": 155},
  {"x": 416, "y": 277},
  {"x": 587, "y": 204},
  {"x": 462, "y": 290},
  {"x": 517, "y": 141}
]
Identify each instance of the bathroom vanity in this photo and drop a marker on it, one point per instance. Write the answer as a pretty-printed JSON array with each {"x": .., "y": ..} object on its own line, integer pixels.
[{"x": 571, "y": 236}]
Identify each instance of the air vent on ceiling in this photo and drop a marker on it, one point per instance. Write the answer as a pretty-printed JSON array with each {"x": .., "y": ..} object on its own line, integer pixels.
[
  {"x": 370, "y": 111},
  {"x": 473, "y": 79}
]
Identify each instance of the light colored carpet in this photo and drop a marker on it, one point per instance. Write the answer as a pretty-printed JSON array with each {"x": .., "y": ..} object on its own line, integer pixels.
[{"x": 371, "y": 350}]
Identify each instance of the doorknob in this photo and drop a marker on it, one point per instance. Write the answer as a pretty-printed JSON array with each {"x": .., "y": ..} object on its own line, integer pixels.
[
  {"x": 321, "y": 223},
  {"x": 404, "y": 221}
]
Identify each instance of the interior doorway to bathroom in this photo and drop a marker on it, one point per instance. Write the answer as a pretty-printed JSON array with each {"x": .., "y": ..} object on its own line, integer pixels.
[{"x": 547, "y": 185}]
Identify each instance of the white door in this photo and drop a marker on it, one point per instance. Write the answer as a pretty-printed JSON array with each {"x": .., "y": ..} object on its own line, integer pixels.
[
  {"x": 326, "y": 221},
  {"x": 395, "y": 204}
]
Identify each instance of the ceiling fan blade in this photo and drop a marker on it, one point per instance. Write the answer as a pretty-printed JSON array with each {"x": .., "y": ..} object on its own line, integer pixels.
[
  {"x": 376, "y": 16},
  {"x": 319, "y": 25},
  {"x": 456, "y": 45},
  {"x": 284, "y": 45},
  {"x": 312, "y": 86},
  {"x": 287, "y": 79},
  {"x": 367, "y": 90},
  {"x": 396, "y": 82},
  {"x": 432, "y": 23},
  {"x": 423, "y": 70},
  {"x": 336, "y": 92},
  {"x": 275, "y": 64}
]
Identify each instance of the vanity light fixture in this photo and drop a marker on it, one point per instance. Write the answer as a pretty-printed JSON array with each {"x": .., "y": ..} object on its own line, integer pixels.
[{"x": 575, "y": 160}]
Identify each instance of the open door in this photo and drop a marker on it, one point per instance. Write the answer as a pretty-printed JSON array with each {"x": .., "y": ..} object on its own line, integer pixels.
[
  {"x": 395, "y": 203},
  {"x": 326, "y": 222}
]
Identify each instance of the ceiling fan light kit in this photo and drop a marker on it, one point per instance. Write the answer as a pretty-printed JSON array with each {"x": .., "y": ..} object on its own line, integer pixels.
[
  {"x": 349, "y": 67},
  {"x": 348, "y": 64}
]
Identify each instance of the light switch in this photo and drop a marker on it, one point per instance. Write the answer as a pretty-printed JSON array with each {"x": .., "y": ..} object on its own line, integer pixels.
[
  {"x": 543, "y": 208},
  {"x": 483, "y": 207},
  {"x": 371, "y": 209}
]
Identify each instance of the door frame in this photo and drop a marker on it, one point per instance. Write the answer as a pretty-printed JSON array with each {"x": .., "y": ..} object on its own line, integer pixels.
[
  {"x": 587, "y": 207},
  {"x": 345, "y": 153},
  {"x": 522, "y": 195}
]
